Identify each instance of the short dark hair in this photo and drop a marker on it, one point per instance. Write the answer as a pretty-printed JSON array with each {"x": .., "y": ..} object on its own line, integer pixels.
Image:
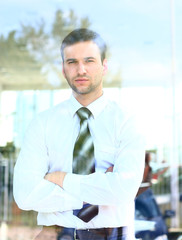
[{"x": 83, "y": 35}]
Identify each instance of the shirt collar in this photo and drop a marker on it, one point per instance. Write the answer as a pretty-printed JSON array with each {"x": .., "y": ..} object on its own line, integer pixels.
[
  {"x": 95, "y": 107},
  {"x": 74, "y": 105},
  {"x": 98, "y": 105}
]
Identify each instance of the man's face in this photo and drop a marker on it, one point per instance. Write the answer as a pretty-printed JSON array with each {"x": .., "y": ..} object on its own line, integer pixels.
[{"x": 83, "y": 69}]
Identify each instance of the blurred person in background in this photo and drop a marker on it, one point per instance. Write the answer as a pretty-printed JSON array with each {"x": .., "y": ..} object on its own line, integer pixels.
[{"x": 147, "y": 176}]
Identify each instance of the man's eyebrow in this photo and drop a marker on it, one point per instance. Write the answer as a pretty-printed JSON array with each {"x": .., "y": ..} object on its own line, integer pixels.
[
  {"x": 70, "y": 59},
  {"x": 89, "y": 58},
  {"x": 74, "y": 59}
]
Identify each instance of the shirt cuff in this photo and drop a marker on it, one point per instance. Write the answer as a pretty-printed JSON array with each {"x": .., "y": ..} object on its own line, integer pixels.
[
  {"x": 70, "y": 201},
  {"x": 71, "y": 184}
]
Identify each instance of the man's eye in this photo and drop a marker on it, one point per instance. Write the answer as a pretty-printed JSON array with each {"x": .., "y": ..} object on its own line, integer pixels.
[{"x": 89, "y": 60}]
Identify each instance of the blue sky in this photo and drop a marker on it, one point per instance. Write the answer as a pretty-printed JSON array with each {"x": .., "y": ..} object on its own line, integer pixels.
[{"x": 138, "y": 32}]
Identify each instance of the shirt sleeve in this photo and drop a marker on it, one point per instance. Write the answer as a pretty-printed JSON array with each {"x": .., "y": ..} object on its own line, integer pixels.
[
  {"x": 119, "y": 186},
  {"x": 31, "y": 190}
]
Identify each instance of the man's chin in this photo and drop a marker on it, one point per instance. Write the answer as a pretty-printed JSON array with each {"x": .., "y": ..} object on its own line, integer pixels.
[{"x": 82, "y": 91}]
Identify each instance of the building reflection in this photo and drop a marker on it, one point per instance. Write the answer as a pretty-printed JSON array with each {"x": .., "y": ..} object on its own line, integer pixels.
[{"x": 15, "y": 224}]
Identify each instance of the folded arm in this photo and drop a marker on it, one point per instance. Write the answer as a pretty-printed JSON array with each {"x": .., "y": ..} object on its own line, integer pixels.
[
  {"x": 31, "y": 190},
  {"x": 110, "y": 188}
]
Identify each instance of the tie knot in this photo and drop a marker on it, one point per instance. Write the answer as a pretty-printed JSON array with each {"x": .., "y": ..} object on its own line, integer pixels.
[{"x": 83, "y": 113}]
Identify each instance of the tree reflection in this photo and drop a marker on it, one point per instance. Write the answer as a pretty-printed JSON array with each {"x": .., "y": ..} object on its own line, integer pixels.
[{"x": 30, "y": 58}]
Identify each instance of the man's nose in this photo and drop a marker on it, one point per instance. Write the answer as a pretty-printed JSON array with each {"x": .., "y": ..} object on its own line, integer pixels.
[{"x": 81, "y": 69}]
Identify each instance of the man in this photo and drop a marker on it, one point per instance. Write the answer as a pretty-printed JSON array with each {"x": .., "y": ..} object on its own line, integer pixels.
[{"x": 44, "y": 179}]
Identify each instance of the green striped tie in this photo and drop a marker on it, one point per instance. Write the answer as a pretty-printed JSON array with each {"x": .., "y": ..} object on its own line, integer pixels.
[
  {"x": 83, "y": 154},
  {"x": 83, "y": 159}
]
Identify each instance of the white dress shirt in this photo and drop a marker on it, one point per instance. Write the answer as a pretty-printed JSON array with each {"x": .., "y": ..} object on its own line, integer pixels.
[{"x": 48, "y": 146}]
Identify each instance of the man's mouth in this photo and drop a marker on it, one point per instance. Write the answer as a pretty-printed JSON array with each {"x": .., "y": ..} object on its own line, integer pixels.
[{"x": 80, "y": 80}]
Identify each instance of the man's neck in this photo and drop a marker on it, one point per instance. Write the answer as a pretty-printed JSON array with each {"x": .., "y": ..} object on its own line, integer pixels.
[{"x": 85, "y": 99}]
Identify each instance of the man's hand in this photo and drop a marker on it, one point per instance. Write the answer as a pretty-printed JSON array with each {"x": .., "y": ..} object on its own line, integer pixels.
[
  {"x": 110, "y": 169},
  {"x": 56, "y": 177}
]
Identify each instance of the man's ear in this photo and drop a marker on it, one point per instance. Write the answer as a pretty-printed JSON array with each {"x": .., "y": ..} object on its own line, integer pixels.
[
  {"x": 63, "y": 69},
  {"x": 105, "y": 66}
]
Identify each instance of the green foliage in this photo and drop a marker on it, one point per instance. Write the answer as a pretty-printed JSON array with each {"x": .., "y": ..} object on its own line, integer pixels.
[
  {"x": 26, "y": 53},
  {"x": 13, "y": 51},
  {"x": 63, "y": 25},
  {"x": 30, "y": 58},
  {"x": 59, "y": 24},
  {"x": 7, "y": 150},
  {"x": 34, "y": 36},
  {"x": 43, "y": 45}
]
